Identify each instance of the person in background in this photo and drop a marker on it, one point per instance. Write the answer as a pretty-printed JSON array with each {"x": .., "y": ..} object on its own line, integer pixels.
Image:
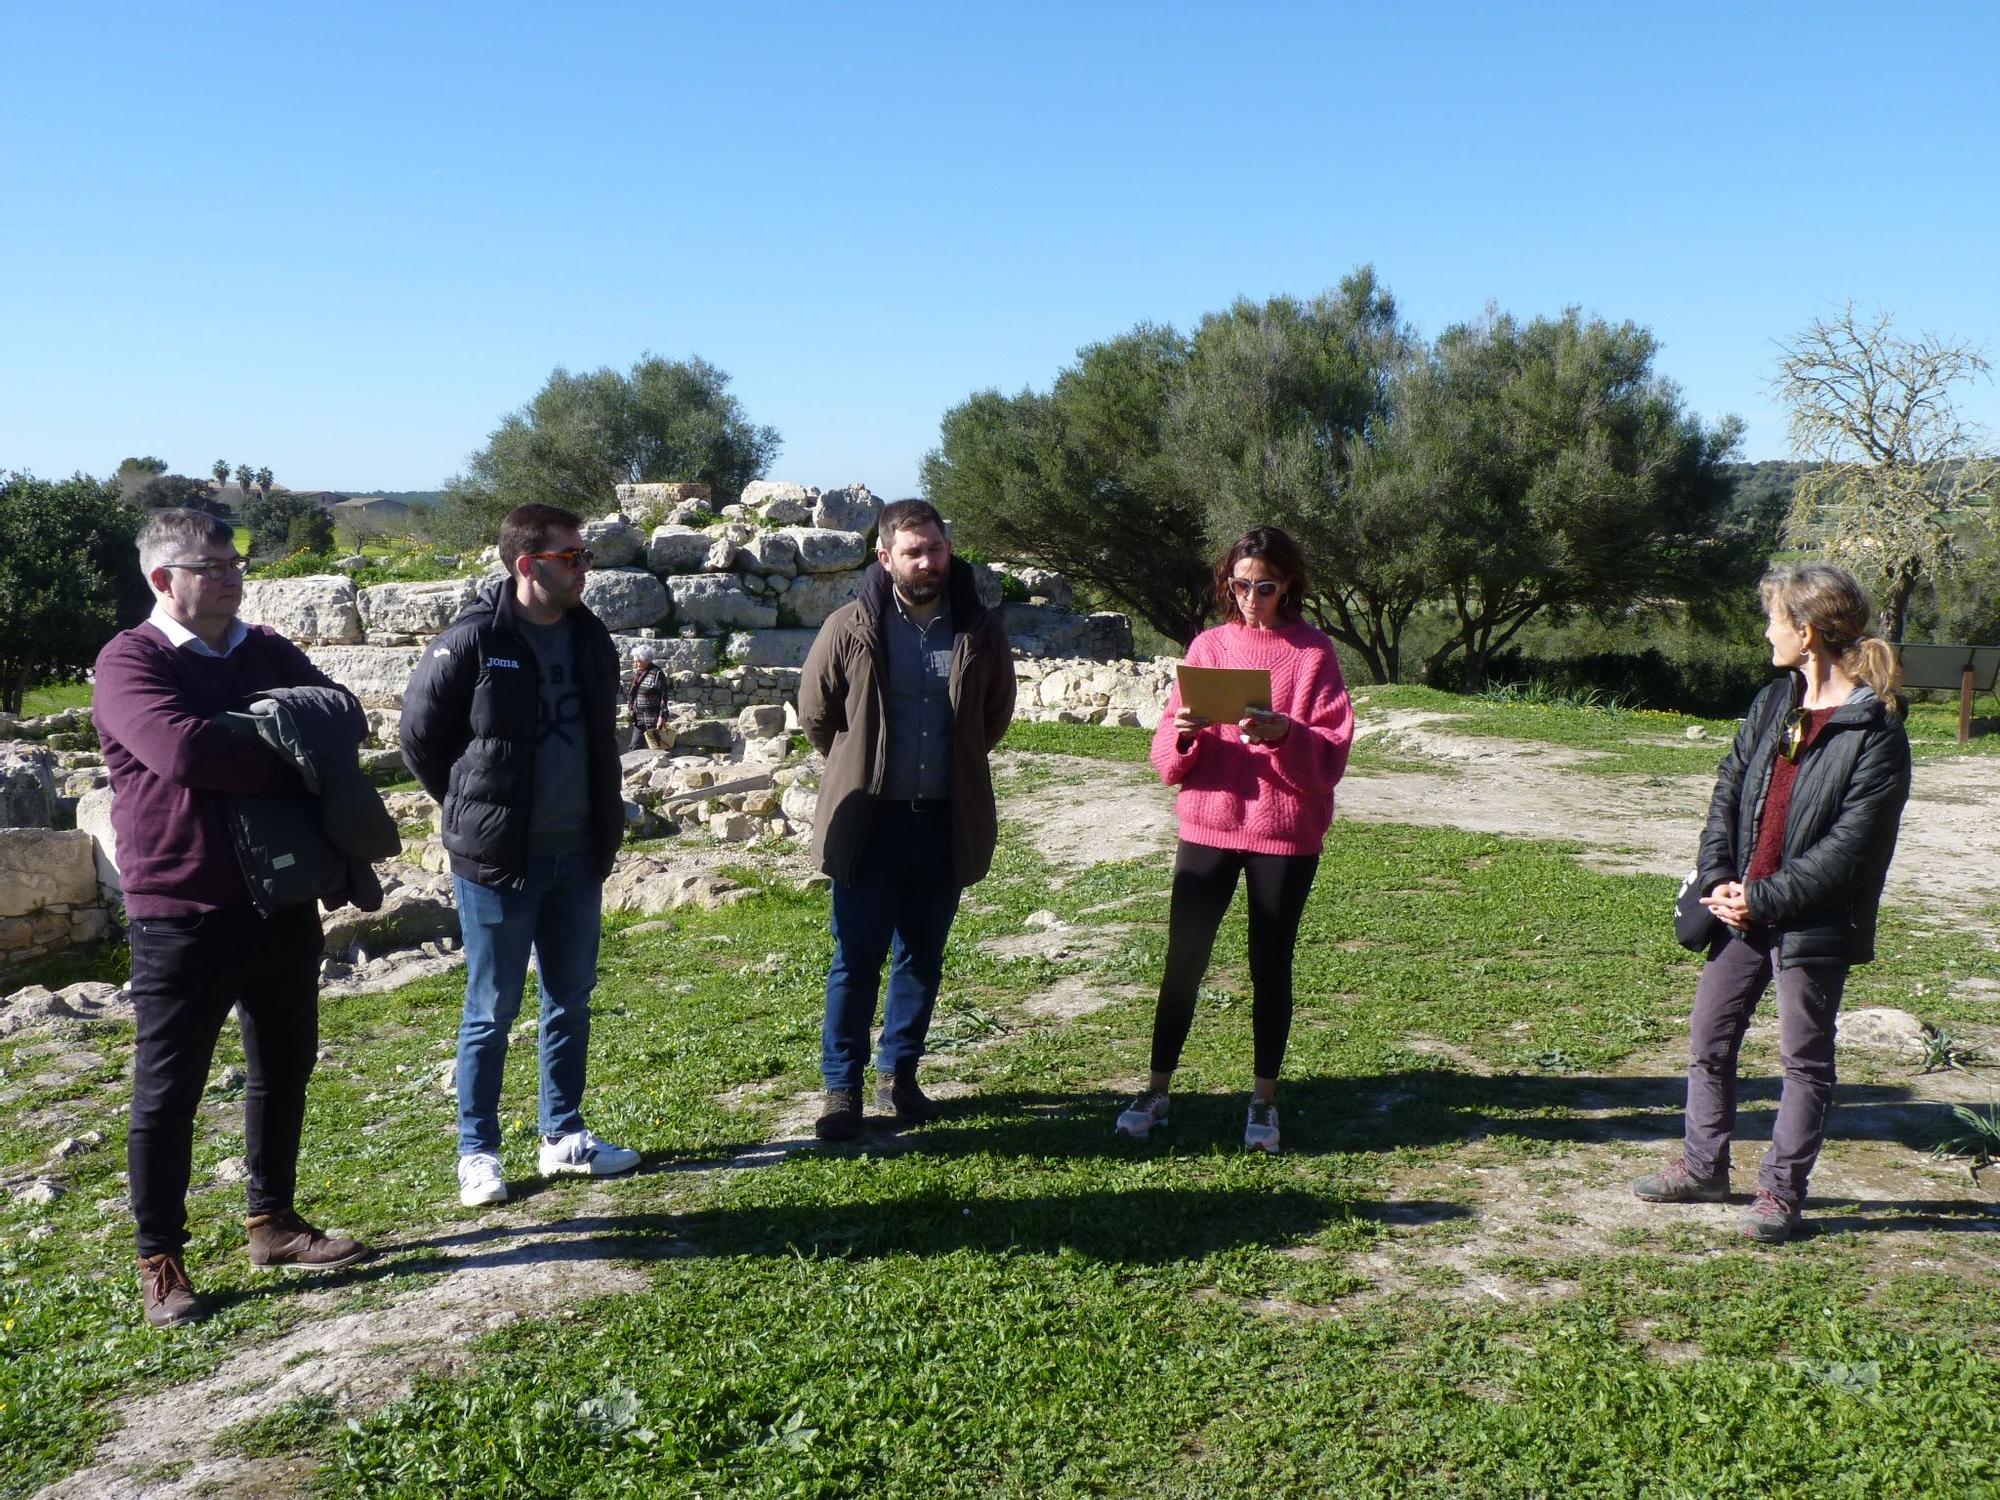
[
  {"x": 1255, "y": 802},
  {"x": 645, "y": 697},
  {"x": 511, "y": 724},
  {"x": 199, "y": 945},
  {"x": 1800, "y": 832}
]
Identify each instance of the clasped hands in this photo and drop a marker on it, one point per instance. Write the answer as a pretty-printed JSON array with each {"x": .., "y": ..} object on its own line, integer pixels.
[
  {"x": 1729, "y": 905},
  {"x": 1261, "y": 726}
]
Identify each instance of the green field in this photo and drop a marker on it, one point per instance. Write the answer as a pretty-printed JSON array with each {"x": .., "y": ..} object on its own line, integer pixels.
[{"x": 1422, "y": 1296}]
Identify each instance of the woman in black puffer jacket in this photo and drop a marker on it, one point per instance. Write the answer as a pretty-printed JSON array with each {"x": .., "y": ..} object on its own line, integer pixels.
[{"x": 1800, "y": 833}]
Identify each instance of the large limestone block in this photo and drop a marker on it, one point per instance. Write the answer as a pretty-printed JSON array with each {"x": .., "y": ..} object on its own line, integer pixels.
[
  {"x": 772, "y": 552},
  {"x": 711, "y": 601},
  {"x": 1042, "y": 586},
  {"x": 810, "y": 600},
  {"x": 1880, "y": 1028},
  {"x": 410, "y": 915},
  {"x": 827, "y": 551},
  {"x": 671, "y": 654},
  {"x": 376, "y": 675},
  {"x": 27, "y": 787},
  {"x": 853, "y": 508},
  {"x": 43, "y": 867},
  {"x": 669, "y": 493},
  {"x": 780, "y": 503},
  {"x": 771, "y": 648},
  {"x": 317, "y": 611},
  {"x": 986, "y": 584},
  {"x": 415, "y": 608},
  {"x": 625, "y": 598},
  {"x": 677, "y": 549},
  {"x": 614, "y": 542},
  {"x": 93, "y": 816}
]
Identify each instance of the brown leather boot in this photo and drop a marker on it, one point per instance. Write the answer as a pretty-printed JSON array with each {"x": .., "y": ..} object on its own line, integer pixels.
[
  {"x": 169, "y": 1295},
  {"x": 283, "y": 1239},
  {"x": 900, "y": 1096}
]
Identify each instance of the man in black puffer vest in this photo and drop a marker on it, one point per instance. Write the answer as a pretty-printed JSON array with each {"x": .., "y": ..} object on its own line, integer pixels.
[{"x": 510, "y": 722}]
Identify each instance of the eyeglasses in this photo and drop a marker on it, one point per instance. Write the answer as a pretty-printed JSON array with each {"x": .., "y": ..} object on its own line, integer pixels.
[
  {"x": 569, "y": 557},
  {"x": 1263, "y": 588},
  {"x": 1792, "y": 733},
  {"x": 214, "y": 569}
]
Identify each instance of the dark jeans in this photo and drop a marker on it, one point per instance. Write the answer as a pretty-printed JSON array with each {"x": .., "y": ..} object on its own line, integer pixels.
[
  {"x": 1204, "y": 885},
  {"x": 1808, "y": 1001},
  {"x": 899, "y": 905},
  {"x": 186, "y": 973},
  {"x": 557, "y": 914}
]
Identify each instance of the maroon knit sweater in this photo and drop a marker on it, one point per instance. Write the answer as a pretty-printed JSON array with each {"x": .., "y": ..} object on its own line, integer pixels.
[{"x": 153, "y": 706}]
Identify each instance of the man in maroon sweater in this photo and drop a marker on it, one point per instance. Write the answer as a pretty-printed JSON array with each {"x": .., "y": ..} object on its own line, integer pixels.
[{"x": 198, "y": 945}]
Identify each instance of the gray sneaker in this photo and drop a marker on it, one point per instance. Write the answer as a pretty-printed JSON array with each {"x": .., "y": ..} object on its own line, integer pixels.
[
  {"x": 1260, "y": 1128},
  {"x": 1677, "y": 1184},
  {"x": 1143, "y": 1114}
]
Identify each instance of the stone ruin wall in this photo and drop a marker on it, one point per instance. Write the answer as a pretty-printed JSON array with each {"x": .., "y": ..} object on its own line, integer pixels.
[{"x": 730, "y": 602}]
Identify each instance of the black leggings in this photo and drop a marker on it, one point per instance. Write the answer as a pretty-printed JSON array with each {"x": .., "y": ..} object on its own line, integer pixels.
[{"x": 1204, "y": 885}]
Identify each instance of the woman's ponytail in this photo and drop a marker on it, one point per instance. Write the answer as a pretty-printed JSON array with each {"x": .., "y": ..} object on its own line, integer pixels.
[{"x": 1873, "y": 660}]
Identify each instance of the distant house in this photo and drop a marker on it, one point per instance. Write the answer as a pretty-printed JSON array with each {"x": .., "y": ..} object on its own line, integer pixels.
[
  {"x": 373, "y": 508},
  {"x": 370, "y": 515}
]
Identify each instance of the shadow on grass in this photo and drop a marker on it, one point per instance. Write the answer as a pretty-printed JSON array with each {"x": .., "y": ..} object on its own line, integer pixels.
[
  {"x": 1141, "y": 1227},
  {"x": 1379, "y": 1112}
]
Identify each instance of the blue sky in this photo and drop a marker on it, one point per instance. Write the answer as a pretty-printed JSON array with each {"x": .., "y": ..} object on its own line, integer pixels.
[{"x": 343, "y": 241}]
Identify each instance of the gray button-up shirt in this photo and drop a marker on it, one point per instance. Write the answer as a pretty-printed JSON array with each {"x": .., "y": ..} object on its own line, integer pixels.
[{"x": 919, "y": 705}]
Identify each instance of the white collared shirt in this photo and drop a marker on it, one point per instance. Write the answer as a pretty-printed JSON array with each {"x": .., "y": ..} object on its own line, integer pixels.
[{"x": 184, "y": 639}]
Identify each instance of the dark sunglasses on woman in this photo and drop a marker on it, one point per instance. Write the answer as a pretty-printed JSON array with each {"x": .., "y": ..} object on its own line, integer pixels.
[{"x": 1263, "y": 588}]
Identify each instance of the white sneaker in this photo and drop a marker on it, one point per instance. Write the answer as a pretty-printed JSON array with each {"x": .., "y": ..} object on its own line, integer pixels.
[
  {"x": 479, "y": 1180},
  {"x": 582, "y": 1153},
  {"x": 1145, "y": 1112},
  {"x": 1260, "y": 1130}
]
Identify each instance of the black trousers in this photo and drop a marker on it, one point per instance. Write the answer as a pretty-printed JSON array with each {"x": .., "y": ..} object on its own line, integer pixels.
[
  {"x": 1204, "y": 885},
  {"x": 186, "y": 973}
]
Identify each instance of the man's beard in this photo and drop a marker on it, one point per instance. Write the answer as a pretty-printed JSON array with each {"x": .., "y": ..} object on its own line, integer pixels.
[{"x": 919, "y": 590}]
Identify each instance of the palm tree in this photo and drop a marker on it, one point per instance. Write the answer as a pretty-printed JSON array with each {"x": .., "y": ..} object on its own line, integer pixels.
[
  {"x": 264, "y": 481},
  {"x": 220, "y": 469},
  {"x": 244, "y": 474}
]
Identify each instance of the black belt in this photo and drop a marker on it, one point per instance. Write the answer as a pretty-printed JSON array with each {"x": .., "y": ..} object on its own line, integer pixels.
[{"x": 925, "y": 804}]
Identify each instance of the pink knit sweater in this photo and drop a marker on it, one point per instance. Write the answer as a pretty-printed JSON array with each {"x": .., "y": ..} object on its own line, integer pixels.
[{"x": 1263, "y": 799}]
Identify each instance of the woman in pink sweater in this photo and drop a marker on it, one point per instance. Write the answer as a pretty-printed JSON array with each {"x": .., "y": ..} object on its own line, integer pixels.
[{"x": 1256, "y": 798}]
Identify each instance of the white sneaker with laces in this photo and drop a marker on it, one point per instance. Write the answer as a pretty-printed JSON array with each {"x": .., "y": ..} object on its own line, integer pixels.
[
  {"x": 1143, "y": 1114},
  {"x": 1260, "y": 1129},
  {"x": 479, "y": 1180},
  {"x": 585, "y": 1155}
]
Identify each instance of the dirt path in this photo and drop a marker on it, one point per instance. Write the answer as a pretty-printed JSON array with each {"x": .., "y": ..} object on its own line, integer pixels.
[{"x": 1947, "y": 859}]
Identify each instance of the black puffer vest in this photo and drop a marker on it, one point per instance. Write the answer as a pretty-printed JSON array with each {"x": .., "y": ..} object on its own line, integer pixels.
[
  {"x": 1840, "y": 831},
  {"x": 469, "y": 724}
]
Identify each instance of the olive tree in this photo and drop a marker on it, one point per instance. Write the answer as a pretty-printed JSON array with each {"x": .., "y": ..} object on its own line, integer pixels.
[{"x": 582, "y": 435}]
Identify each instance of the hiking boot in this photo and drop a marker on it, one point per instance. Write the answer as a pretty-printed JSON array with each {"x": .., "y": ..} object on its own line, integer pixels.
[
  {"x": 582, "y": 1154},
  {"x": 1678, "y": 1184},
  {"x": 841, "y": 1119},
  {"x": 1771, "y": 1221},
  {"x": 1143, "y": 1114},
  {"x": 1260, "y": 1127},
  {"x": 283, "y": 1239},
  {"x": 480, "y": 1182},
  {"x": 902, "y": 1098},
  {"x": 169, "y": 1295}
]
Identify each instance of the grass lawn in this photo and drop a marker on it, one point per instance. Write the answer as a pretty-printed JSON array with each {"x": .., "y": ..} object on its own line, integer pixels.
[
  {"x": 54, "y": 698},
  {"x": 1015, "y": 1302}
]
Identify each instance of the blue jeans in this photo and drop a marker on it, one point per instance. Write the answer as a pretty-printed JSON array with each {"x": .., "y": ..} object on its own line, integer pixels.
[
  {"x": 556, "y": 914},
  {"x": 901, "y": 901}
]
